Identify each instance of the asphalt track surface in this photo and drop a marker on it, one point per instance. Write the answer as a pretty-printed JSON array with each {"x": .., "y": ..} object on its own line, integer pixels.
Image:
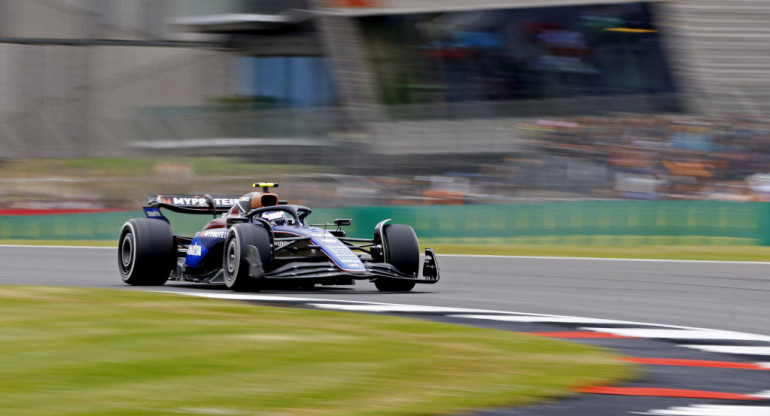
[
  {"x": 523, "y": 294},
  {"x": 720, "y": 295}
]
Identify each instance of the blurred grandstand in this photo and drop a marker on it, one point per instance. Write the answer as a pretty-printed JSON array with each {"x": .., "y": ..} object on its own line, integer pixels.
[{"x": 435, "y": 101}]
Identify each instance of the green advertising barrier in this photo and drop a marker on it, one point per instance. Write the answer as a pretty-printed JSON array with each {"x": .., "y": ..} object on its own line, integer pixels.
[
  {"x": 576, "y": 222},
  {"x": 91, "y": 226},
  {"x": 589, "y": 222}
]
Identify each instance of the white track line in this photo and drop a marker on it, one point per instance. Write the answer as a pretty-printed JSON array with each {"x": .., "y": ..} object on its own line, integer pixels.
[
  {"x": 343, "y": 305},
  {"x": 377, "y": 308},
  {"x": 541, "y": 319},
  {"x": 682, "y": 334},
  {"x": 710, "y": 410},
  {"x": 728, "y": 349},
  {"x": 239, "y": 296}
]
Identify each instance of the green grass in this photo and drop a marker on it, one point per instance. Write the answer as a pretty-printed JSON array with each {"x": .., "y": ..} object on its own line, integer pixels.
[
  {"x": 720, "y": 253},
  {"x": 76, "y": 351}
]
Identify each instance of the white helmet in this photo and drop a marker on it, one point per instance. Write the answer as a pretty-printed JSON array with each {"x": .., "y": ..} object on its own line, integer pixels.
[{"x": 275, "y": 217}]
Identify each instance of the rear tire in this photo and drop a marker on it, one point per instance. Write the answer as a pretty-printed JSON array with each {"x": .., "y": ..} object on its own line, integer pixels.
[
  {"x": 146, "y": 252},
  {"x": 236, "y": 263},
  {"x": 402, "y": 250}
]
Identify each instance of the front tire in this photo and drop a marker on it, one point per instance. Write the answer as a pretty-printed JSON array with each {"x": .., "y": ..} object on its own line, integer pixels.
[
  {"x": 146, "y": 252},
  {"x": 240, "y": 262},
  {"x": 402, "y": 250}
]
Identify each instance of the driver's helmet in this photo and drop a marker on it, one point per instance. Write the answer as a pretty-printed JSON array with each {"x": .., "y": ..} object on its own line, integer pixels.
[{"x": 274, "y": 217}]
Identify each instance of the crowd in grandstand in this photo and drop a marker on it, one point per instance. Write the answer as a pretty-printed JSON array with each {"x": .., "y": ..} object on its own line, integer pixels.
[{"x": 668, "y": 157}]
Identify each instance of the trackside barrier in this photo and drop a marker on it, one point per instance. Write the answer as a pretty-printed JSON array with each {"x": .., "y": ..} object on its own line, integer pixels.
[
  {"x": 574, "y": 223},
  {"x": 579, "y": 222}
]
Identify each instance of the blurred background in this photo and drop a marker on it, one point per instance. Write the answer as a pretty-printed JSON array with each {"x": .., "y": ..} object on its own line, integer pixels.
[{"x": 529, "y": 111}]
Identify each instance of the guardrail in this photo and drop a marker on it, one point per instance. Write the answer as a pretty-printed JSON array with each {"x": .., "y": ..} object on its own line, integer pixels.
[{"x": 578, "y": 222}]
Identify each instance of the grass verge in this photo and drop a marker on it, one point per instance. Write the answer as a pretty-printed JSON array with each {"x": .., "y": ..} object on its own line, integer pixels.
[
  {"x": 716, "y": 253},
  {"x": 76, "y": 351}
]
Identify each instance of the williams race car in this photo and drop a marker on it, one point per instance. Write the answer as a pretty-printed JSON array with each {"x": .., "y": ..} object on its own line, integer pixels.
[{"x": 257, "y": 239}]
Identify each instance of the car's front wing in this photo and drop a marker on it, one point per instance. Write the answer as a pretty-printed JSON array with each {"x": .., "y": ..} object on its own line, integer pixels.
[{"x": 374, "y": 271}]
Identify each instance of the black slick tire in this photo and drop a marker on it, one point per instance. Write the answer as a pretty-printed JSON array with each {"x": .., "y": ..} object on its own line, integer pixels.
[
  {"x": 402, "y": 250},
  {"x": 146, "y": 252},
  {"x": 238, "y": 265}
]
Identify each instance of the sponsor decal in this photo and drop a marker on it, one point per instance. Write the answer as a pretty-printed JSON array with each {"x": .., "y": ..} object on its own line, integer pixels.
[
  {"x": 194, "y": 250},
  {"x": 225, "y": 201},
  {"x": 214, "y": 234},
  {"x": 279, "y": 243},
  {"x": 195, "y": 200},
  {"x": 190, "y": 201}
]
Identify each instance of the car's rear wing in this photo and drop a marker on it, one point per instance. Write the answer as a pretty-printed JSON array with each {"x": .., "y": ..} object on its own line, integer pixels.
[{"x": 190, "y": 204}]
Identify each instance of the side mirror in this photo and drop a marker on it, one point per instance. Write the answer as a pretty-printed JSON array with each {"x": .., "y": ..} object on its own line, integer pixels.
[{"x": 339, "y": 222}]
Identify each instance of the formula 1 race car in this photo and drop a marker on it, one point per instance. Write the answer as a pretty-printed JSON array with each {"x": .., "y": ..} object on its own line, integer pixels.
[{"x": 257, "y": 239}]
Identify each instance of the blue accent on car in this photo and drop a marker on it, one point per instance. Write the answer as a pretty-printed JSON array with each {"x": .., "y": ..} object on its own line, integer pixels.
[
  {"x": 154, "y": 213},
  {"x": 202, "y": 244},
  {"x": 335, "y": 249}
]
